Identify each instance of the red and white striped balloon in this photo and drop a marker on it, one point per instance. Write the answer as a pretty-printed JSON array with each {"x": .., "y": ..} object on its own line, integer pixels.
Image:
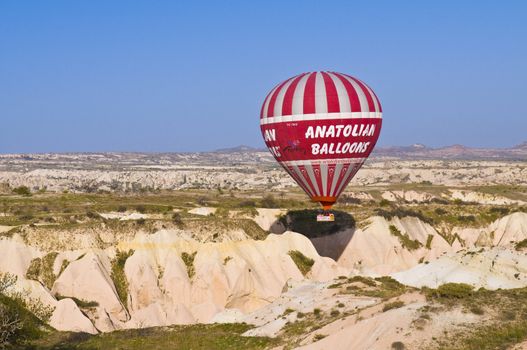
[{"x": 321, "y": 127}]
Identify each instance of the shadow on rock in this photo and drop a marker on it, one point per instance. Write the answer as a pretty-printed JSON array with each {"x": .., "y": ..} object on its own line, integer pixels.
[{"x": 329, "y": 238}]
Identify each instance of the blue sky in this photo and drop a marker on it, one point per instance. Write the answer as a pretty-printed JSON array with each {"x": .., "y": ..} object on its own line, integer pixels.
[{"x": 191, "y": 76}]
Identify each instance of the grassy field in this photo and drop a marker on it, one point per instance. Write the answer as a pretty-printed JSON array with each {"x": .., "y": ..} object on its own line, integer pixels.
[
  {"x": 195, "y": 337},
  {"x": 236, "y": 209}
]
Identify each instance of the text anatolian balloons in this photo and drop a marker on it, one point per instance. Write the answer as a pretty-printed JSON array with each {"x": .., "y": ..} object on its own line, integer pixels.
[{"x": 321, "y": 127}]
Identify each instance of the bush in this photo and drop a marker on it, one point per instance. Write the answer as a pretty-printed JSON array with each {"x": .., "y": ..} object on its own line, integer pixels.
[
  {"x": 500, "y": 210},
  {"x": 384, "y": 203},
  {"x": 466, "y": 218},
  {"x": 7, "y": 280},
  {"x": 451, "y": 291},
  {"x": 118, "y": 276},
  {"x": 440, "y": 211},
  {"x": 521, "y": 244},
  {"x": 397, "y": 345},
  {"x": 176, "y": 219},
  {"x": 393, "y": 305},
  {"x": 269, "y": 202},
  {"x": 22, "y": 191},
  {"x": 303, "y": 263},
  {"x": 247, "y": 204},
  {"x": 319, "y": 336},
  {"x": 10, "y": 324},
  {"x": 188, "y": 259},
  {"x": 429, "y": 239},
  {"x": 92, "y": 215}
]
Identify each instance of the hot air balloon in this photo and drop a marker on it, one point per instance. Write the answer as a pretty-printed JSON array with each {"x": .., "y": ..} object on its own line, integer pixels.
[{"x": 321, "y": 127}]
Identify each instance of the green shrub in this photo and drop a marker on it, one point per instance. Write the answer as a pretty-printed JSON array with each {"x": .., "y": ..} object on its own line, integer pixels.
[
  {"x": 188, "y": 259},
  {"x": 177, "y": 219},
  {"x": 393, "y": 305},
  {"x": 288, "y": 311},
  {"x": 440, "y": 211},
  {"x": 92, "y": 215},
  {"x": 384, "y": 203},
  {"x": 499, "y": 210},
  {"x": 521, "y": 244},
  {"x": 429, "y": 239},
  {"x": 269, "y": 202},
  {"x": 118, "y": 276},
  {"x": 25, "y": 325},
  {"x": 319, "y": 336},
  {"x": 451, "y": 291},
  {"x": 303, "y": 263},
  {"x": 397, "y": 345},
  {"x": 22, "y": 191}
]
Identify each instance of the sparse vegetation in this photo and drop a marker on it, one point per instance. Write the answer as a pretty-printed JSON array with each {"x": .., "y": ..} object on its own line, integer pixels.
[
  {"x": 401, "y": 213},
  {"x": 196, "y": 337},
  {"x": 366, "y": 280},
  {"x": 404, "y": 239},
  {"x": 42, "y": 269},
  {"x": 301, "y": 261}
]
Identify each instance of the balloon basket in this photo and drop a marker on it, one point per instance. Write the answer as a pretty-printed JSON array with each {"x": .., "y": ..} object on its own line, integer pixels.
[{"x": 329, "y": 217}]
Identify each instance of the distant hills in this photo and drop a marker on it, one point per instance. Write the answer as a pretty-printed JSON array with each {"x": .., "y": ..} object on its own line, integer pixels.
[
  {"x": 420, "y": 151},
  {"x": 241, "y": 148}
]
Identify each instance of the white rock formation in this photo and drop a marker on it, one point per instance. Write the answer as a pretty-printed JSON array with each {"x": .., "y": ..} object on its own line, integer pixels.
[
  {"x": 491, "y": 269},
  {"x": 68, "y": 317}
]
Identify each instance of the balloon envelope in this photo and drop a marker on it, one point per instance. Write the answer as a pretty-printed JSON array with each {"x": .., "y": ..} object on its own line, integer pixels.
[{"x": 321, "y": 127}]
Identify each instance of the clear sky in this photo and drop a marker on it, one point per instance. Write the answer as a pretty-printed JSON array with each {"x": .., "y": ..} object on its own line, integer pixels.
[{"x": 191, "y": 76}]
